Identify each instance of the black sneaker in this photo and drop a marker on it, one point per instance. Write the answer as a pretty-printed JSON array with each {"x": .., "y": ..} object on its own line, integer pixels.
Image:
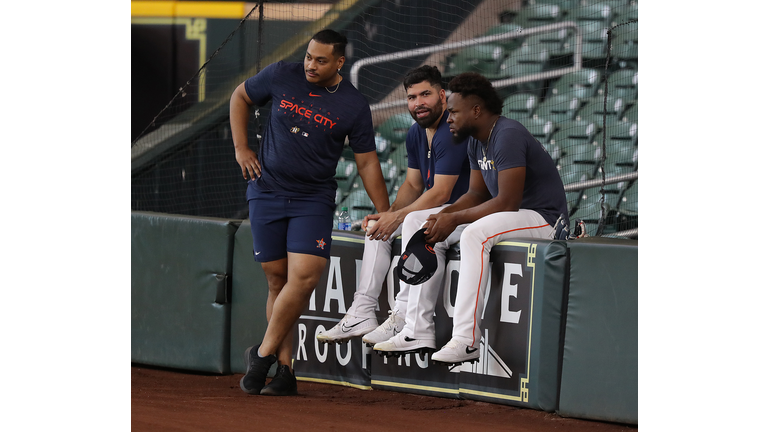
[
  {"x": 283, "y": 384},
  {"x": 256, "y": 369}
]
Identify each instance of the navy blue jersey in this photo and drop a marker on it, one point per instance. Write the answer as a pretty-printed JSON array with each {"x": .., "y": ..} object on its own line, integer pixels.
[
  {"x": 307, "y": 128},
  {"x": 445, "y": 158},
  {"x": 511, "y": 146}
]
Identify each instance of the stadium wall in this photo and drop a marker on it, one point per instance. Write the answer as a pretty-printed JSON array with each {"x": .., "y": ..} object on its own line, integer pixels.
[{"x": 559, "y": 327}]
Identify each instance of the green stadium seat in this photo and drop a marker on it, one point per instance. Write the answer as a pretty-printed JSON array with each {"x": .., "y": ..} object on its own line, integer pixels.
[
  {"x": 359, "y": 204},
  {"x": 399, "y": 156},
  {"x": 582, "y": 84},
  {"x": 541, "y": 129},
  {"x": 484, "y": 59},
  {"x": 624, "y": 13},
  {"x": 623, "y": 83},
  {"x": 508, "y": 44},
  {"x": 553, "y": 150},
  {"x": 558, "y": 108},
  {"x": 519, "y": 105},
  {"x": 630, "y": 114},
  {"x": 574, "y": 132},
  {"x": 566, "y": 6},
  {"x": 567, "y": 169},
  {"x": 599, "y": 106},
  {"x": 346, "y": 174},
  {"x": 627, "y": 212},
  {"x": 395, "y": 128},
  {"x": 600, "y": 12},
  {"x": 624, "y": 46},
  {"x": 535, "y": 15},
  {"x": 383, "y": 147},
  {"x": 524, "y": 61},
  {"x": 391, "y": 172}
]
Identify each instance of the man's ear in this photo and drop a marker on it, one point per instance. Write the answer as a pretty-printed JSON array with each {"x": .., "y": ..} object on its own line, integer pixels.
[{"x": 340, "y": 62}]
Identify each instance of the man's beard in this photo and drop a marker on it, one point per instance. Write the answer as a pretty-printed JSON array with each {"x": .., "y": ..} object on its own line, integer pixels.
[
  {"x": 461, "y": 134},
  {"x": 434, "y": 115}
]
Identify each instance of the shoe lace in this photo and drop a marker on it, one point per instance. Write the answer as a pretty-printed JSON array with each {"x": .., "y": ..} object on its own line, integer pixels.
[
  {"x": 452, "y": 344},
  {"x": 390, "y": 323}
]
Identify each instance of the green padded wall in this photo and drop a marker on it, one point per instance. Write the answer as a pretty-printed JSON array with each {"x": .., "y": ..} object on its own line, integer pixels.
[
  {"x": 249, "y": 298},
  {"x": 599, "y": 371},
  {"x": 180, "y": 300}
]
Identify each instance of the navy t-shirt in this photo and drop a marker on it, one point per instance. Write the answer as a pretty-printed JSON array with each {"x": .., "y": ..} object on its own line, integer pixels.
[
  {"x": 307, "y": 128},
  {"x": 511, "y": 146},
  {"x": 445, "y": 158}
]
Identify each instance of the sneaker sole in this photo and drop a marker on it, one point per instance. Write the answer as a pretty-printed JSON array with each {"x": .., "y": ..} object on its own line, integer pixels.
[
  {"x": 267, "y": 391},
  {"x": 248, "y": 369},
  {"x": 456, "y": 363},
  {"x": 420, "y": 350}
]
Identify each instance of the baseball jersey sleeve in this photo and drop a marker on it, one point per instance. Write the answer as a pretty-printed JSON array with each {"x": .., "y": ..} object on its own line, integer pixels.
[{"x": 259, "y": 86}]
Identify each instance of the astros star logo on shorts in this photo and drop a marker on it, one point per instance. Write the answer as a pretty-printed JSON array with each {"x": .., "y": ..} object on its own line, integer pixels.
[{"x": 321, "y": 244}]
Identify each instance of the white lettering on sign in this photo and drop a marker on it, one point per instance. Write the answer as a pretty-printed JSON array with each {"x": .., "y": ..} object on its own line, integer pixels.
[
  {"x": 334, "y": 289},
  {"x": 302, "y": 338},
  {"x": 344, "y": 360},
  {"x": 321, "y": 355},
  {"x": 508, "y": 289}
]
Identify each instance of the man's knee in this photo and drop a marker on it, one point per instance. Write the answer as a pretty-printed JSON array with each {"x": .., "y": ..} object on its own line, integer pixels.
[{"x": 276, "y": 273}]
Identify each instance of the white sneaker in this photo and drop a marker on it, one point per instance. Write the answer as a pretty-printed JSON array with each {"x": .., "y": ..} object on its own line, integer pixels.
[
  {"x": 392, "y": 326},
  {"x": 456, "y": 352},
  {"x": 349, "y": 327},
  {"x": 401, "y": 343}
]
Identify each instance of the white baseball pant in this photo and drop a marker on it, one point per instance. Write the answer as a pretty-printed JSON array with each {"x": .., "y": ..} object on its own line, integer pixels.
[
  {"x": 477, "y": 240},
  {"x": 422, "y": 299}
]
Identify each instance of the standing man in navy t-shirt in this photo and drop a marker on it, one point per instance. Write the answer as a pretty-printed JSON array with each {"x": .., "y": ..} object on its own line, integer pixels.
[
  {"x": 514, "y": 191},
  {"x": 291, "y": 191},
  {"x": 438, "y": 174}
]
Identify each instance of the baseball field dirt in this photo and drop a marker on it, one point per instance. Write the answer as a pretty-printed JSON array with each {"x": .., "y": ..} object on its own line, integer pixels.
[{"x": 170, "y": 400}]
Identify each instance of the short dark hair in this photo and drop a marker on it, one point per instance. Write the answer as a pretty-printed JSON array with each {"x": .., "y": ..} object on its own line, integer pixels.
[
  {"x": 472, "y": 83},
  {"x": 421, "y": 74},
  {"x": 331, "y": 37}
]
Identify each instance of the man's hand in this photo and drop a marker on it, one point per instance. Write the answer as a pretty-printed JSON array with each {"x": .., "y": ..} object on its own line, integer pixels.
[
  {"x": 439, "y": 227},
  {"x": 387, "y": 223},
  {"x": 248, "y": 162}
]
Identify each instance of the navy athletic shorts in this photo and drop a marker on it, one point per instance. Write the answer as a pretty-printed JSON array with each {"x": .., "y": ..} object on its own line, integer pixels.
[{"x": 280, "y": 225}]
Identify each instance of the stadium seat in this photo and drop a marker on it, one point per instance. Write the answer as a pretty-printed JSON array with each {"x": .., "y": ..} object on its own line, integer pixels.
[
  {"x": 541, "y": 129},
  {"x": 594, "y": 42},
  {"x": 558, "y": 108},
  {"x": 508, "y": 44},
  {"x": 346, "y": 174},
  {"x": 600, "y": 12},
  {"x": 582, "y": 84},
  {"x": 359, "y": 204},
  {"x": 627, "y": 212},
  {"x": 391, "y": 172},
  {"x": 568, "y": 169},
  {"x": 553, "y": 150},
  {"x": 526, "y": 60},
  {"x": 535, "y": 15},
  {"x": 599, "y": 106},
  {"x": 565, "y": 5},
  {"x": 383, "y": 147},
  {"x": 630, "y": 114},
  {"x": 484, "y": 59},
  {"x": 399, "y": 156},
  {"x": 624, "y": 45},
  {"x": 623, "y": 83},
  {"x": 552, "y": 41},
  {"x": 624, "y": 13},
  {"x": 395, "y": 128},
  {"x": 572, "y": 133},
  {"x": 571, "y": 178},
  {"x": 519, "y": 105}
]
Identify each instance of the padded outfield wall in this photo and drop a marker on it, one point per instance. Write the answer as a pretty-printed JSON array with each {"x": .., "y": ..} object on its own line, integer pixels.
[{"x": 559, "y": 327}]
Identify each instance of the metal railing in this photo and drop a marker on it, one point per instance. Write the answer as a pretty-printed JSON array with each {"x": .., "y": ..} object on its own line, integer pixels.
[{"x": 577, "y": 57}]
